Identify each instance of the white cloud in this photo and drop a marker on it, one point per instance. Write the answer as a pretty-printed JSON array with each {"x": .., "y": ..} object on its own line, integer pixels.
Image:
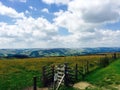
[
  {"x": 99, "y": 38},
  {"x": 27, "y": 32},
  {"x": 27, "y": 12},
  {"x": 73, "y": 22},
  {"x": 87, "y": 15},
  {"x": 10, "y": 12},
  {"x": 64, "y": 2},
  {"x": 83, "y": 19},
  {"x": 24, "y": 1},
  {"x": 32, "y": 8},
  {"x": 45, "y": 10},
  {"x": 95, "y": 11}
]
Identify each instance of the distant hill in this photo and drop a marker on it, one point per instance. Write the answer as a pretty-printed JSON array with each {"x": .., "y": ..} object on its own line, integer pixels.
[{"x": 25, "y": 53}]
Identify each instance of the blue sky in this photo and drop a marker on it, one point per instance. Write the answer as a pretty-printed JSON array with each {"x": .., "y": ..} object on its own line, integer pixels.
[
  {"x": 59, "y": 23},
  {"x": 36, "y": 7}
]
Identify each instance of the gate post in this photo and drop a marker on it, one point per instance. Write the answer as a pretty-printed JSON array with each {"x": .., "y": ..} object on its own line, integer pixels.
[
  {"x": 65, "y": 72},
  {"x": 43, "y": 76},
  {"x": 76, "y": 71},
  {"x": 34, "y": 83},
  {"x": 114, "y": 56},
  {"x": 53, "y": 67},
  {"x": 87, "y": 66}
]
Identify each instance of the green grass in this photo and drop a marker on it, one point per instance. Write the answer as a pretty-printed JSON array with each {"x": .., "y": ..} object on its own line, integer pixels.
[
  {"x": 17, "y": 74},
  {"x": 104, "y": 77},
  {"x": 17, "y": 81}
]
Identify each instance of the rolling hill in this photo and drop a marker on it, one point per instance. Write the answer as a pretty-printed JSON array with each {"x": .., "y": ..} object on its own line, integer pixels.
[{"x": 37, "y": 52}]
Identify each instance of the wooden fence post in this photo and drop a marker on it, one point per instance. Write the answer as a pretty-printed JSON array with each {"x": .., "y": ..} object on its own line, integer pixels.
[
  {"x": 43, "y": 76},
  {"x": 100, "y": 62},
  {"x": 53, "y": 67},
  {"x": 87, "y": 66},
  {"x": 65, "y": 72},
  {"x": 83, "y": 73},
  {"x": 34, "y": 83},
  {"x": 114, "y": 56},
  {"x": 83, "y": 70},
  {"x": 105, "y": 61},
  {"x": 76, "y": 71}
]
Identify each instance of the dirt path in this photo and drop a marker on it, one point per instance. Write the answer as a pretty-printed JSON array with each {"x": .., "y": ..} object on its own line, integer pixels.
[
  {"x": 82, "y": 85},
  {"x": 86, "y": 85}
]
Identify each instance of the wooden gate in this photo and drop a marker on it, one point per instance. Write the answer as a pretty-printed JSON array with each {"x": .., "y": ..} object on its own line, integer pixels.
[{"x": 47, "y": 75}]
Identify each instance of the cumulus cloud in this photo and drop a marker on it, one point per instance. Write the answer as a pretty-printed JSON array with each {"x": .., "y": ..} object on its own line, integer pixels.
[
  {"x": 73, "y": 22},
  {"x": 32, "y": 8},
  {"x": 10, "y": 12},
  {"x": 96, "y": 11},
  {"x": 64, "y": 2},
  {"x": 83, "y": 20},
  {"x": 27, "y": 12},
  {"x": 27, "y": 31},
  {"x": 99, "y": 38},
  {"x": 87, "y": 15},
  {"x": 45, "y": 10},
  {"x": 24, "y": 1}
]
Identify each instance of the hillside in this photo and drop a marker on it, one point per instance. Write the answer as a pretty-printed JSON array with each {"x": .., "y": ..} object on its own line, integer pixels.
[
  {"x": 106, "y": 78},
  {"x": 24, "y": 53}
]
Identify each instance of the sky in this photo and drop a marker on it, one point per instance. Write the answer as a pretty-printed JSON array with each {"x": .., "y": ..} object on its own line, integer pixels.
[{"x": 59, "y": 23}]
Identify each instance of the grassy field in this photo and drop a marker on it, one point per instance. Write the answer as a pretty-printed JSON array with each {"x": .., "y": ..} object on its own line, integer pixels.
[
  {"x": 108, "y": 77},
  {"x": 17, "y": 74}
]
